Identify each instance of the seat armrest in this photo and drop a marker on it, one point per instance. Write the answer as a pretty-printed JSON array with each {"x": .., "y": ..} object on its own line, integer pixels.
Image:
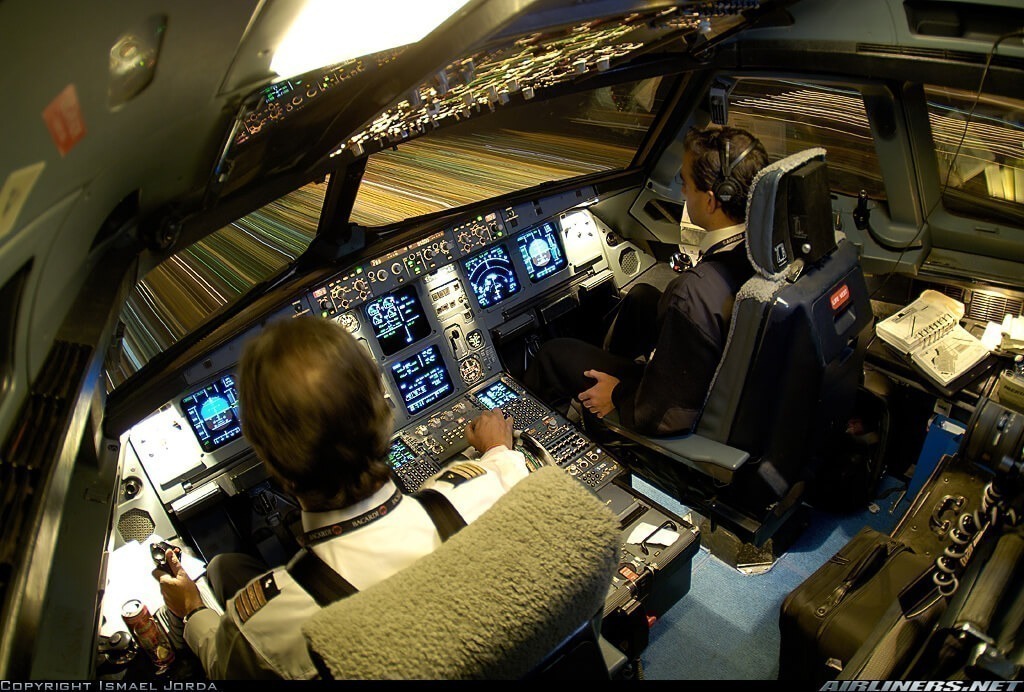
[{"x": 703, "y": 454}]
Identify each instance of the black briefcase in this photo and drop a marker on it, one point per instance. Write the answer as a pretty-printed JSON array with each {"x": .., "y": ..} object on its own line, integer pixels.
[{"x": 826, "y": 619}]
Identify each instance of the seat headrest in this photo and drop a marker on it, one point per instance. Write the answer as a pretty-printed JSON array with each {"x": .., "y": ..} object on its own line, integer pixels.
[
  {"x": 789, "y": 213},
  {"x": 490, "y": 603}
]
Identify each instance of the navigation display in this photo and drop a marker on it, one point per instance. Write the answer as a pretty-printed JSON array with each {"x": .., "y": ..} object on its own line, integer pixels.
[
  {"x": 496, "y": 395},
  {"x": 541, "y": 249},
  {"x": 213, "y": 413},
  {"x": 422, "y": 379},
  {"x": 397, "y": 320},
  {"x": 491, "y": 276}
]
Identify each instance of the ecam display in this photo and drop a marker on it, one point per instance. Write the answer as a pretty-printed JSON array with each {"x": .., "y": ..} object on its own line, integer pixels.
[
  {"x": 422, "y": 379},
  {"x": 213, "y": 413},
  {"x": 397, "y": 320}
]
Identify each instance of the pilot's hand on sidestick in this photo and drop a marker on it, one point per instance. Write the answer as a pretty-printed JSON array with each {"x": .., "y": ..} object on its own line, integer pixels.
[
  {"x": 488, "y": 430},
  {"x": 181, "y": 595}
]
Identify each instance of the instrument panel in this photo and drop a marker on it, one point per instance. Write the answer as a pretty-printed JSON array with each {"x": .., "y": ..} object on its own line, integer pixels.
[
  {"x": 471, "y": 273},
  {"x": 425, "y": 313}
]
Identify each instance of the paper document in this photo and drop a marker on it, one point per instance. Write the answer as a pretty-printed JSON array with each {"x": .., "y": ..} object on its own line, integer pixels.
[
  {"x": 929, "y": 331},
  {"x": 922, "y": 322},
  {"x": 664, "y": 537},
  {"x": 166, "y": 446},
  {"x": 951, "y": 356}
]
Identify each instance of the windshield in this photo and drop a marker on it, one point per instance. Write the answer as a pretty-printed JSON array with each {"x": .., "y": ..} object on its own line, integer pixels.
[
  {"x": 977, "y": 142},
  {"x": 512, "y": 150},
  {"x": 183, "y": 291}
]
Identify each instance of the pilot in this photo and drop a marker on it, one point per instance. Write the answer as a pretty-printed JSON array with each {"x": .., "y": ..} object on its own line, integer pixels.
[
  {"x": 314, "y": 411},
  {"x": 663, "y": 348}
]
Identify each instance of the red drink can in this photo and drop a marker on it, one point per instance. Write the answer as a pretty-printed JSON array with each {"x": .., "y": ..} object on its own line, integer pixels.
[{"x": 148, "y": 633}]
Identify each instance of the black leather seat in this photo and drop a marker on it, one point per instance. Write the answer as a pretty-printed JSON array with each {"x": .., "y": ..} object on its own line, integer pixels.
[{"x": 791, "y": 367}]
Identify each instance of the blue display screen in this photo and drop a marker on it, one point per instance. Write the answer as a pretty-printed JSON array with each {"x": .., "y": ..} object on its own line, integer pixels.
[
  {"x": 422, "y": 379},
  {"x": 213, "y": 413},
  {"x": 491, "y": 276},
  {"x": 541, "y": 249},
  {"x": 397, "y": 319},
  {"x": 496, "y": 395}
]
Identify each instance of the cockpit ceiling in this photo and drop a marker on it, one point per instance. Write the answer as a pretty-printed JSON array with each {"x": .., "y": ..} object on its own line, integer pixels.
[{"x": 528, "y": 67}]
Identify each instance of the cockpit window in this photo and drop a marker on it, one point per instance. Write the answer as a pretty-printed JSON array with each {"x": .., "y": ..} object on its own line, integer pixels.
[
  {"x": 984, "y": 161},
  {"x": 184, "y": 290},
  {"x": 511, "y": 150},
  {"x": 790, "y": 116}
]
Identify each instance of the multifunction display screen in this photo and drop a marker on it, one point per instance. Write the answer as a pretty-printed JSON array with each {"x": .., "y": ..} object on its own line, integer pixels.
[
  {"x": 400, "y": 455},
  {"x": 422, "y": 379},
  {"x": 491, "y": 276},
  {"x": 397, "y": 320},
  {"x": 213, "y": 413},
  {"x": 496, "y": 395},
  {"x": 541, "y": 249}
]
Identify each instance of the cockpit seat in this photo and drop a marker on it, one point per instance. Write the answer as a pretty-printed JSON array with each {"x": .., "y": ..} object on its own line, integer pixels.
[
  {"x": 791, "y": 368},
  {"x": 519, "y": 593}
]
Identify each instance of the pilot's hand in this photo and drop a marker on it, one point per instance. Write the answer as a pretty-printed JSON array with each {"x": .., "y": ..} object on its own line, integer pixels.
[
  {"x": 488, "y": 430},
  {"x": 598, "y": 399},
  {"x": 181, "y": 595}
]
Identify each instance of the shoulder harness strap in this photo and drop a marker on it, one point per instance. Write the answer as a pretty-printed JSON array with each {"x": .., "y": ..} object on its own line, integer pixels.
[
  {"x": 327, "y": 586},
  {"x": 446, "y": 518},
  {"x": 315, "y": 576}
]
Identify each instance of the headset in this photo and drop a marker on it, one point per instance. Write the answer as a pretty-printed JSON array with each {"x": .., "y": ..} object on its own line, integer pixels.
[{"x": 728, "y": 186}]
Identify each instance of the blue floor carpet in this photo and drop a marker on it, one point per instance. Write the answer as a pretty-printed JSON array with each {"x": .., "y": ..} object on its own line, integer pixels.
[{"x": 726, "y": 627}]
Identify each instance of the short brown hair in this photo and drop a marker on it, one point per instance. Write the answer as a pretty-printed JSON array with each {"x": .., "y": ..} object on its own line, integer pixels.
[
  {"x": 706, "y": 147},
  {"x": 313, "y": 408}
]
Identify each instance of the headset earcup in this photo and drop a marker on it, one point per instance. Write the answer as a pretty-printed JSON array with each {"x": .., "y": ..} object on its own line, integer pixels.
[{"x": 726, "y": 190}]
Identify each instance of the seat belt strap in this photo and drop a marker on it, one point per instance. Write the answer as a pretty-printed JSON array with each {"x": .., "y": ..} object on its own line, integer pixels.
[
  {"x": 327, "y": 586},
  {"x": 446, "y": 518},
  {"x": 315, "y": 576}
]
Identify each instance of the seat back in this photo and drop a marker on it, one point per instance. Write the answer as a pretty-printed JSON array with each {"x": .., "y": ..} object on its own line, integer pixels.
[
  {"x": 794, "y": 355},
  {"x": 504, "y": 598}
]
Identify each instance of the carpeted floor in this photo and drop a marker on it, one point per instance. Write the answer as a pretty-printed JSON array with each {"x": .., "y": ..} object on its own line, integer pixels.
[{"x": 726, "y": 627}]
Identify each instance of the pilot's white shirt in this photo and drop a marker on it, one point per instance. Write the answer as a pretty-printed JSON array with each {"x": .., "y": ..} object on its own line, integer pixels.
[{"x": 260, "y": 633}]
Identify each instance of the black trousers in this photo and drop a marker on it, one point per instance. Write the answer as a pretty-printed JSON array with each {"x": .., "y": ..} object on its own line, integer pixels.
[
  {"x": 230, "y": 572},
  {"x": 556, "y": 373}
]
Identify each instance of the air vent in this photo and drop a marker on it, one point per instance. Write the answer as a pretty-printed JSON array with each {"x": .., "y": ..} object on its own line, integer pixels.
[
  {"x": 629, "y": 261},
  {"x": 992, "y": 307},
  {"x": 954, "y": 292},
  {"x": 135, "y": 525}
]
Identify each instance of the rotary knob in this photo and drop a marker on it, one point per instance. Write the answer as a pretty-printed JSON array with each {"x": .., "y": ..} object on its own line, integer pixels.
[
  {"x": 396, "y": 268},
  {"x": 427, "y": 254},
  {"x": 361, "y": 286}
]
